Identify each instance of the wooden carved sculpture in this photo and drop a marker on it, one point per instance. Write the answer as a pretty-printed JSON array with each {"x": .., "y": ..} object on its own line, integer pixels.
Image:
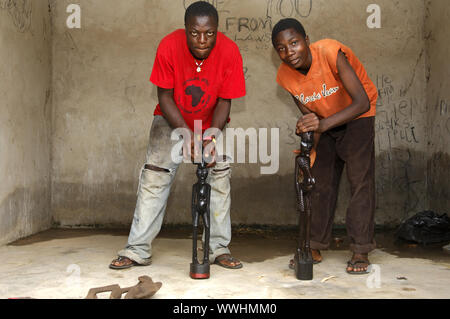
[
  {"x": 304, "y": 184},
  {"x": 201, "y": 194}
]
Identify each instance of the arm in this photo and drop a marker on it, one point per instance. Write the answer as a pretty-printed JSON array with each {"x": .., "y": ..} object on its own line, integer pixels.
[
  {"x": 170, "y": 110},
  {"x": 301, "y": 107},
  {"x": 173, "y": 115},
  {"x": 219, "y": 120},
  {"x": 221, "y": 113},
  {"x": 360, "y": 101}
]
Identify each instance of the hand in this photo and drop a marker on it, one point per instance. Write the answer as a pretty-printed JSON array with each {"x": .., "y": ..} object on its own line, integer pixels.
[
  {"x": 190, "y": 151},
  {"x": 308, "y": 123},
  {"x": 196, "y": 147},
  {"x": 209, "y": 148}
]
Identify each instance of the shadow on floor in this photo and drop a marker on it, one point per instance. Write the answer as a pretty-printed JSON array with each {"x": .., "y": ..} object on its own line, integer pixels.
[{"x": 256, "y": 244}]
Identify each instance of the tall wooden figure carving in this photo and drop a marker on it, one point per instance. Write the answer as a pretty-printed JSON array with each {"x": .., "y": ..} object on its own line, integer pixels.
[
  {"x": 304, "y": 184},
  {"x": 201, "y": 194}
]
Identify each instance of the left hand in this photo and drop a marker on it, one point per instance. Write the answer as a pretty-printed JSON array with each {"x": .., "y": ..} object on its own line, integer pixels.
[
  {"x": 209, "y": 148},
  {"x": 308, "y": 123}
]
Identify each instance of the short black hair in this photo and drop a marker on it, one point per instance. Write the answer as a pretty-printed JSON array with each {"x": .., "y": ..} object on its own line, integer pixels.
[
  {"x": 201, "y": 9},
  {"x": 285, "y": 24}
]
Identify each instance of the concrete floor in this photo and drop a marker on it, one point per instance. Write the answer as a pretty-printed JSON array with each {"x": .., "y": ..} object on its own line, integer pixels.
[{"x": 65, "y": 264}]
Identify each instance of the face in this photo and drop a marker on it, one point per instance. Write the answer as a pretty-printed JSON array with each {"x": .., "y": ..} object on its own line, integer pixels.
[
  {"x": 293, "y": 49},
  {"x": 201, "y": 33}
]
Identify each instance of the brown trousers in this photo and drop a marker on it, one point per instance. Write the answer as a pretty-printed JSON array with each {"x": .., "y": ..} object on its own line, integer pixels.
[{"x": 351, "y": 145}]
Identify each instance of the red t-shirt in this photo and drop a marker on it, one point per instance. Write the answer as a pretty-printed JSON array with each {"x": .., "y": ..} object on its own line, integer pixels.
[{"x": 196, "y": 93}]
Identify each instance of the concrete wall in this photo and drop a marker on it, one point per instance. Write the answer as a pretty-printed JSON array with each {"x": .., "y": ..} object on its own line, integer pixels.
[
  {"x": 104, "y": 103},
  {"x": 25, "y": 117},
  {"x": 438, "y": 97}
]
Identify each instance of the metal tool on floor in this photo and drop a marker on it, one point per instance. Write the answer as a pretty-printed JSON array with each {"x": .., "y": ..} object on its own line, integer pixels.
[
  {"x": 201, "y": 194},
  {"x": 304, "y": 184},
  {"x": 145, "y": 289}
]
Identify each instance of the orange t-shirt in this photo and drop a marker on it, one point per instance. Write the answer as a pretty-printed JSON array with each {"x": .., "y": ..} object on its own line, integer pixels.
[{"x": 322, "y": 90}]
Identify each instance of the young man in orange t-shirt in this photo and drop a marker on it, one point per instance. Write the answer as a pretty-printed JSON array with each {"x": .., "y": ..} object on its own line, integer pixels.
[{"x": 338, "y": 101}]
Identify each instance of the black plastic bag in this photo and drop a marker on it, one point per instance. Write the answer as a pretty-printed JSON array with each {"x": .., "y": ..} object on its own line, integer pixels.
[{"x": 425, "y": 228}]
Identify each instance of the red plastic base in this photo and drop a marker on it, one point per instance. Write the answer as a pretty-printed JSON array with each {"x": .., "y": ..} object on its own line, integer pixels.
[{"x": 199, "y": 276}]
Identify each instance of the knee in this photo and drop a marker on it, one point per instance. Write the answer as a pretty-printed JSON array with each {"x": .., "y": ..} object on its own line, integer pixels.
[
  {"x": 221, "y": 170},
  {"x": 150, "y": 167},
  {"x": 155, "y": 175}
]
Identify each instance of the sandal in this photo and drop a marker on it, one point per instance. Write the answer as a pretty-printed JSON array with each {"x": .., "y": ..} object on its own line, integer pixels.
[
  {"x": 354, "y": 264},
  {"x": 226, "y": 259},
  {"x": 124, "y": 261}
]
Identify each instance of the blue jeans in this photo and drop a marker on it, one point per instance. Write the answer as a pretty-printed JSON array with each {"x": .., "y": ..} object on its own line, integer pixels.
[{"x": 153, "y": 192}]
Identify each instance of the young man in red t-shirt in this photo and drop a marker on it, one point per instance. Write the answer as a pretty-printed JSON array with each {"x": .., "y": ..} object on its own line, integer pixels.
[
  {"x": 333, "y": 91},
  {"x": 198, "y": 71}
]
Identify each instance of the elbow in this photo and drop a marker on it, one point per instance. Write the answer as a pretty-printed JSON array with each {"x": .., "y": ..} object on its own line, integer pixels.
[
  {"x": 164, "y": 93},
  {"x": 367, "y": 106},
  {"x": 364, "y": 106}
]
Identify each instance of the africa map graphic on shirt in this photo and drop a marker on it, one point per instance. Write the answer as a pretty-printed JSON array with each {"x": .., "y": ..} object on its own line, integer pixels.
[
  {"x": 196, "y": 91},
  {"x": 196, "y": 94}
]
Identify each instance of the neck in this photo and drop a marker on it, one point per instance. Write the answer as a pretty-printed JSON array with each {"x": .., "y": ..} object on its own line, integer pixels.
[
  {"x": 195, "y": 57},
  {"x": 305, "y": 69}
]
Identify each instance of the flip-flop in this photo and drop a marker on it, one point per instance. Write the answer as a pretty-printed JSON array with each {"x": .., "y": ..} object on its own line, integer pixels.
[
  {"x": 352, "y": 264},
  {"x": 219, "y": 259},
  {"x": 122, "y": 258}
]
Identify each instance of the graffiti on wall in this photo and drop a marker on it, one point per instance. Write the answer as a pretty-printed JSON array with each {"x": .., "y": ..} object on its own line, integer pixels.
[
  {"x": 400, "y": 140},
  {"x": 20, "y": 12}
]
